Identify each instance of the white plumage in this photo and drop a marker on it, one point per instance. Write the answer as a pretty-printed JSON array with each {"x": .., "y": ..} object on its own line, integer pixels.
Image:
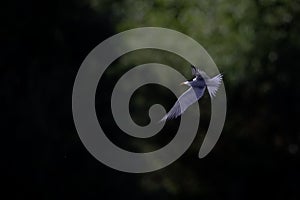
[{"x": 195, "y": 92}]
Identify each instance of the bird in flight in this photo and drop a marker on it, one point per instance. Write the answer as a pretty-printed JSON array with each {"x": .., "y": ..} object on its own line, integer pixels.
[{"x": 195, "y": 92}]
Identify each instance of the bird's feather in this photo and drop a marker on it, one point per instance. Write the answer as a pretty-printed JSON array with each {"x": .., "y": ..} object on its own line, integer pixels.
[
  {"x": 189, "y": 97},
  {"x": 195, "y": 92},
  {"x": 213, "y": 85}
]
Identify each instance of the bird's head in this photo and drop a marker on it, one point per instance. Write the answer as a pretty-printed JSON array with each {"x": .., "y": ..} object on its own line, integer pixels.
[{"x": 188, "y": 83}]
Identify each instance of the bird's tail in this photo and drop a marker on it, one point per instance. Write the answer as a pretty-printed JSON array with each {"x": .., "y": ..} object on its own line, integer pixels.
[{"x": 213, "y": 85}]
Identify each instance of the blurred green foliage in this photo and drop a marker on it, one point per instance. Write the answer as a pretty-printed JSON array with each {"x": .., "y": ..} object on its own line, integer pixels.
[{"x": 255, "y": 43}]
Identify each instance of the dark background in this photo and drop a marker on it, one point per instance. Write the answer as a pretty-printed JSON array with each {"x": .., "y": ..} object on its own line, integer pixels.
[{"x": 256, "y": 44}]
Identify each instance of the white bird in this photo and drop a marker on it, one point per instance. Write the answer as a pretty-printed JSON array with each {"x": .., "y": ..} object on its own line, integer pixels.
[{"x": 195, "y": 92}]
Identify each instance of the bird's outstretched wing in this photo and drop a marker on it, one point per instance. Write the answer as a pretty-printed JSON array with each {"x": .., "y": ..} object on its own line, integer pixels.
[
  {"x": 184, "y": 101},
  {"x": 213, "y": 84}
]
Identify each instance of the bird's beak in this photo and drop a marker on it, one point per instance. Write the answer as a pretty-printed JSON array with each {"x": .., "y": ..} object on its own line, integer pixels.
[{"x": 184, "y": 83}]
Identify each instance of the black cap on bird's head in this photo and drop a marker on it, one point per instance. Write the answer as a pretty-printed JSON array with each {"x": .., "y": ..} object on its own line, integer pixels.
[
  {"x": 198, "y": 84},
  {"x": 194, "y": 73}
]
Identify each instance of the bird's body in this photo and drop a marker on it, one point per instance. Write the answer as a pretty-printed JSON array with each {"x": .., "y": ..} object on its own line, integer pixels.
[{"x": 194, "y": 93}]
